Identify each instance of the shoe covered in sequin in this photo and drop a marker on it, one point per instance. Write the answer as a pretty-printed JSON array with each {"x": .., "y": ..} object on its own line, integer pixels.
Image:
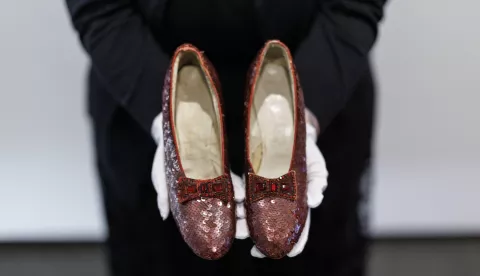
[
  {"x": 196, "y": 166},
  {"x": 276, "y": 201}
]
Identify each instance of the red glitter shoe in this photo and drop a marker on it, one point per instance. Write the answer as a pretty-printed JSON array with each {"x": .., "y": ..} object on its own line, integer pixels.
[
  {"x": 196, "y": 162},
  {"x": 276, "y": 200}
]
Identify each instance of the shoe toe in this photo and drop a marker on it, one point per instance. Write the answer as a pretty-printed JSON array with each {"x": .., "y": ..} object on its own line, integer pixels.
[
  {"x": 211, "y": 229},
  {"x": 275, "y": 226}
]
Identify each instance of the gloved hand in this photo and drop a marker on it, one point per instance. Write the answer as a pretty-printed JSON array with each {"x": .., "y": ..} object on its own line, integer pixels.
[
  {"x": 158, "y": 172},
  {"x": 316, "y": 181}
]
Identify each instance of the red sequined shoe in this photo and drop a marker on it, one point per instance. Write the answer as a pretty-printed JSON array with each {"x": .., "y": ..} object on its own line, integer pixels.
[
  {"x": 276, "y": 200},
  {"x": 196, "y": 162}
]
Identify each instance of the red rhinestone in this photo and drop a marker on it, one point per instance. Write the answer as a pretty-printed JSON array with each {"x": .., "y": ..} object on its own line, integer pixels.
[
  {"x": 273, "y": 188},
  {"x": 204, "y": 188},
  {"x": 285, "y": 188},
  {"x": 191, "y": 189},
  {"x": 217, "y": 187},
  {"x": 259, "y": 187}
]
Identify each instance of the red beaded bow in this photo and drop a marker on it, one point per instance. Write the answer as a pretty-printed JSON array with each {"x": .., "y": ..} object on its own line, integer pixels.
[
  {"x": 190, "y": 189},
  {"x": 283, "y": 187}
]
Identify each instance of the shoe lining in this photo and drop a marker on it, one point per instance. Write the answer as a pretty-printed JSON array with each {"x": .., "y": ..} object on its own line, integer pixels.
[
  {"x": 272, "y": 118},
  {"x": 197, "y": 120}
]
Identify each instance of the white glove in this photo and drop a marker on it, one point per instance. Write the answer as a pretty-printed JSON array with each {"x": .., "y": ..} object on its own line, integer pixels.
[
  {"x": 317, "y": 183},
  {"x": 158, "y": 172}
]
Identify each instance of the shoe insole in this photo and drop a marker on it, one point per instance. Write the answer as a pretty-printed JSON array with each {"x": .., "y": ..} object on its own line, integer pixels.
[
  {"x": 197, "y": 125},
  {"x": 272, "y": 125}
]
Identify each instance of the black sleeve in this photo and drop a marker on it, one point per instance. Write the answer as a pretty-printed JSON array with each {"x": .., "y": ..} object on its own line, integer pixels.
[
  {"x": 334, "y": 55},
  {"x": 124, "y": 54}
]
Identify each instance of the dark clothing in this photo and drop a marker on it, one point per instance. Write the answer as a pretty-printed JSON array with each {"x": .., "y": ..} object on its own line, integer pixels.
[{"x": 130, "y": 43}]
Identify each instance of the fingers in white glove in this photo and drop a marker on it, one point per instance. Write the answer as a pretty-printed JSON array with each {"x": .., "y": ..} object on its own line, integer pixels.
[
  {"x": 159, "y": 182},
  {"x": 157, "y": 129},
  {"x": 316, "y": 174},
  {"x": 240, "y": 211},
  {"x": 311, "y": 132},
  {"x": 302, "y": 241},
  {"x": 256, "y": 253},
  {"x": 242, "y": 229},
  {"x": 158, "y": 169},
  {"x": 238, "y": 187}
]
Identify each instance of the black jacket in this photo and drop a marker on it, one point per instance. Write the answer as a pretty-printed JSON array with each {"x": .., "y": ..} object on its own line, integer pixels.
[{"x": 130, "y": 43}]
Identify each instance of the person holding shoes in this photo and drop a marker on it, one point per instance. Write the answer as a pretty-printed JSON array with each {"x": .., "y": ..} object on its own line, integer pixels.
[{"x": 130, "y": 45}]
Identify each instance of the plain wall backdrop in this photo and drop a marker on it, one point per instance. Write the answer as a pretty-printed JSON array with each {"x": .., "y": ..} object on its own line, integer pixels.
[{"x": 428, "y": 137}]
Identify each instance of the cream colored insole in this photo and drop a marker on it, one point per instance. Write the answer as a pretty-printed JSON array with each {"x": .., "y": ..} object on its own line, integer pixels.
[
  {"x": 197, "y": 125},
  {"x": 272, "y": 127}
]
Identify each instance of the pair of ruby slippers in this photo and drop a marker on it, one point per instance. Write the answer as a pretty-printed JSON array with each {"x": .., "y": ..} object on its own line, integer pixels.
[{"x": 197, "y": 169}]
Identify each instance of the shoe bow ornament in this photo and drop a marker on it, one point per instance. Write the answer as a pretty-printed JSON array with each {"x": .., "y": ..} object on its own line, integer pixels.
[
  {"x": 282, "y": 187},
  {"x": 191, "y": 189}
]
